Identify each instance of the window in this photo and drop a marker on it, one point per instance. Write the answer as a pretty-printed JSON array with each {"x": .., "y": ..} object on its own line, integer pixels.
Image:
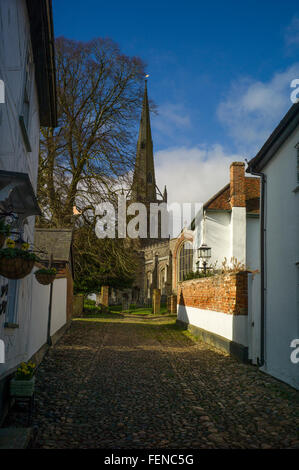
[
  {"x": 162, "y": 280},
  {"x": 149, "y": 177},
  {"x": 11, "y": 309},
  {"x": 148, "y": 285},
  {"x": 297, "y": 147},
  {"x": 185, "y": 260}
]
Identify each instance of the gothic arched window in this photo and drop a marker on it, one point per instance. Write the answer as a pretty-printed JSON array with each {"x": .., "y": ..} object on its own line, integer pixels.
[
  {"x": 149, "y": 177},
  {"x": 185, "y": 264}
]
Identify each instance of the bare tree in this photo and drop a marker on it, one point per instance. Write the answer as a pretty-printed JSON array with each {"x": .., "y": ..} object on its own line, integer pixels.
[{"x": 99, "y": 94}]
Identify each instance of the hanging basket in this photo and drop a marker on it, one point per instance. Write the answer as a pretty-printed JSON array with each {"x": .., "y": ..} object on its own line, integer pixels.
[
  {"x": 15, "y": 268},
  {"x": 45, "y": 278}
]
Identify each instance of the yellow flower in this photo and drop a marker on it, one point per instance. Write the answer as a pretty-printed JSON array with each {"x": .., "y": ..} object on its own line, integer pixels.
[
  {"x": 25, "y": 246},
  {"x": 10, "y": 243}
]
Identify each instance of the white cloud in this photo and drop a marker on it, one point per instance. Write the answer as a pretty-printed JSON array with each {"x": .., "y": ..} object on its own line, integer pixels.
[
  {"x": 171, "y": 118},
  {"x": 253, "y": 108},
  {"x": 193, "y": 174}
]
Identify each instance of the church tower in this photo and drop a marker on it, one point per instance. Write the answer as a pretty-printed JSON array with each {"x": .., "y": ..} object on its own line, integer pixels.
[
  {"x": 150, "y": 273},
  {"x": 144, "y": 188}
]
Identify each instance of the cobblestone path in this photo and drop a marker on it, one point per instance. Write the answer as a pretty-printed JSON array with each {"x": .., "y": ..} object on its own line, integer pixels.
[{"x": 128, "y": 383}]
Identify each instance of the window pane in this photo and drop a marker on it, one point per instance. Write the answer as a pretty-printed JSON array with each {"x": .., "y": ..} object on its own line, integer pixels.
[
  {"x": 11, "y": 301},
  {"x": 185, "y": 260}
]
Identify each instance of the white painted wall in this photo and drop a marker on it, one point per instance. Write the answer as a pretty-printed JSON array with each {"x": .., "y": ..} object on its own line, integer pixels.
[
  {"x": 254, "y": 288},
  {"x": 230, "y": 234},
  {"x": 38, "y": 325},
  {"x": 58, "y": 317},
  {"x": 231, "y": 327},
  {"x": 14, "y": 44},
  {"x": 253, "y": 242},
  {"x": 282, "y": 254},
  {"x": 216, "y": 234},
  {"x": 238, "y": 234},
  {"x": 39, "y": 317},
  {"x": 254, "y": 317}
]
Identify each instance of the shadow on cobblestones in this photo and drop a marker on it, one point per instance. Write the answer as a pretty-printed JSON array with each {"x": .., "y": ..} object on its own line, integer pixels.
[{"x": 118, "y": 382}]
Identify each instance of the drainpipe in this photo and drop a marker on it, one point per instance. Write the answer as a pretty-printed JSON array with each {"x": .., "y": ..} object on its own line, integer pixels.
[
  {"x": 49, "y": 340},
  {"x": 261, "y": 361}
]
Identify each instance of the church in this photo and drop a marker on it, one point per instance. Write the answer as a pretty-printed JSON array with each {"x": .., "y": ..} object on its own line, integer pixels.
[
  {"x": 155, "y": 261},
  {"x": 162, "y": 261}
]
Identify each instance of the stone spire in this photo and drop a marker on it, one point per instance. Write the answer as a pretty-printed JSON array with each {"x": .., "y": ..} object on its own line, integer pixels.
[
  {"x": 165, "y": 194},
  {"x": 144, "y": 181}
]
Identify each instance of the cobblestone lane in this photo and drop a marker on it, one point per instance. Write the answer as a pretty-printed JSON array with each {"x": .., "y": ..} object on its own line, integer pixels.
[{"x": 140, "y": 384}]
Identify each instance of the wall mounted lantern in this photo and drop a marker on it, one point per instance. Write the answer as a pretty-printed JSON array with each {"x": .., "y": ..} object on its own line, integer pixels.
[{"x": 204, "y": 253}]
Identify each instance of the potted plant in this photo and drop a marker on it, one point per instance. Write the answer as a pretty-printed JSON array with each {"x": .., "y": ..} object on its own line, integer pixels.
[
  {"x": 16, "y": 263},
  {"x": 22, "y": 384},
  {"x": 45, "y": 275},
  {"x": 4, "y": 232}
]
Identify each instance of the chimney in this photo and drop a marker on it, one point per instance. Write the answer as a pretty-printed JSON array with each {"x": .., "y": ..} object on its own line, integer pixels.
[{"x": 237, "y": 184}]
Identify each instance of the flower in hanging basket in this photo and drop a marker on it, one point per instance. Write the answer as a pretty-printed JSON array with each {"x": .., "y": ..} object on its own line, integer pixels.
[
  {"x": 10, "y": 243},
  {"x": 25, "y": 246},
  {"x": 25, "y": 371},
  {"x": 45, "y": 275},
  {"x": 16, "y": 263}
]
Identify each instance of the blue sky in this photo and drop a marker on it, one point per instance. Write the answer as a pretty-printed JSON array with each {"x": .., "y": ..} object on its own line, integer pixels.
[{"x": 220, "y": 74}]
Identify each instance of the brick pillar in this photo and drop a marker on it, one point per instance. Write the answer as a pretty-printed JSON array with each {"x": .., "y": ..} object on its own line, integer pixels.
[
  {"x": 105, "y": 297},
  {"x": 156, "y": 301},
  {"x": 237, "y": 184},
  {"x": 238, "y": 205}
]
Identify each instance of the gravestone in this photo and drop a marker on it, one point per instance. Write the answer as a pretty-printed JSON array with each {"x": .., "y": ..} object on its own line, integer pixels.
[
  {"x": 105, "y": 298},
  {"x": 156, "y": 301},
  {"x": 125, "y": 302}
]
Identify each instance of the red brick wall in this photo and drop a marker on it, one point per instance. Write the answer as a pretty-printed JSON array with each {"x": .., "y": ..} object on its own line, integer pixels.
[{"x": 225, "y": 293}]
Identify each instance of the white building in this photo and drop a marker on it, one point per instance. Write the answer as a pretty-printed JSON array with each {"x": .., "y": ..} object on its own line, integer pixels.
[
  {"x": 28, "y": 73},
  {"x": 229, "y": 225},
  {"x": 229, "y": 221},
  {"x": 52, "y": 308},
  {"x": 278, "y": 165}
]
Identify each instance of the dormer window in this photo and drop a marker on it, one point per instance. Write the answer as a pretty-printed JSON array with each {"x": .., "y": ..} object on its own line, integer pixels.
[{"x": 143, "y": 145}]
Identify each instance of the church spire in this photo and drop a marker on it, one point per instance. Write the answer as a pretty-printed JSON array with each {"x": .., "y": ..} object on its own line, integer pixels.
[{"x": 144, "y": 181}]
